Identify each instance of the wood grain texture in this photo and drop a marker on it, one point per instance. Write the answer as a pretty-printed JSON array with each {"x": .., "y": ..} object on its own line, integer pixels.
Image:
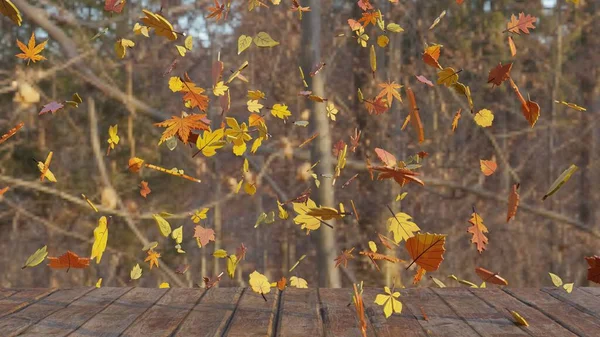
[
  {"x": 120, "y": 314},
  {"x": 577, "y": 298},
  {"x": 441, "y": 319},
  {"x": 563, "y": 313},
  {"x": 539, "y": 324},
  {"x": 482, "y": 317},
  {"x": 299, "y": 313},
  {"x": 211, "y": 316},
  {"x": 22, "y": 299},
  {"x": 339, "y": 318},
  {"x": 403, "y": 324},
  {"x": 66, "y": 320},
  {"x": 7, "y": 292},
  {"x": 166, "y": 315},
  {"x": 16, "y": 323},
  {"x": 253, "y": 316}
]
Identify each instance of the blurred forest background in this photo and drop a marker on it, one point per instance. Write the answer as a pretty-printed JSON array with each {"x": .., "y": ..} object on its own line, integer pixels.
[{"x": 559, "y": 60}]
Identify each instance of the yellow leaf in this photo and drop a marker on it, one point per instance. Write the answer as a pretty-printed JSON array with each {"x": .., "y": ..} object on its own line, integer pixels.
[
  {"x": 556, "y": 280},
  {"x": 394, "y": 28},
  {"x": 199, "y": 215},
  {"x": 382, "y": 41},
  {"x": 283, "y": 214},
  {"x": 571, "y": 105},
  {"x": 140, "y": 29},
  {"x": 177, "y": 234},
  {"x": 30, "y": 52},
  {"x": 231, "y": 265},
  {"x": 181, "y": 50},
  {"x": 254, "y": 106},
  {"x": 210, "y": 142},
  {"x": 220, "y": 89},
  {"x": 259, "y": 283},
  {"x": 152, "y": 258},
  {"x": 99, "y": 283},
  {"x": 113, "y": 137},
  {"x": 389, "y": 302},
  {"x": 520, "y": 320},
  {"x": 189, "y": 43},
  {"x": 568, "y": 287},
  {"x": 136, "y": 272},
  {"x": 484, "y": 118},
  {"x": 164, "y": 285},
  {"x": 250, "y": 189},
  {"x": 163, "y": 225},
  {"x": 298, "y": 282},
  {"x": 561, "y": 180},
  {"x": 255, "y": 94},
  {"x": 306, "y": 221},
  {"x": 8, "y": 9},
  {"x": 447, "y": 76},
  {"x": 331, "y": 111},
  {"x": 220, "y": 253},
  {"x": 175, "y": 84},
  {"x": 36, "y": 258},
  {"x": 263, "y": 39},
  {"x": 373, "y": 246},
  {"x": 161, "y": 26},
  {"x": 121, "y": 47},
  {"x": 100, "y": 239},
  {"x": 244, "y": 42},
  {"x": 280, "y": 111},
  {"x": 401, "y": 226}
]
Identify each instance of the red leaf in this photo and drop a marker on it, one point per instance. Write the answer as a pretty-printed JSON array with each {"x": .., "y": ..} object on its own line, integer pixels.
[
  {"x": 115, "y": 6},
  {"x": 594, "y": 269}
]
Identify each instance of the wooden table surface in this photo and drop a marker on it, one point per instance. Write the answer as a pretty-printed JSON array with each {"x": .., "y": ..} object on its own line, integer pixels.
[{"x": 313, "y": 312}]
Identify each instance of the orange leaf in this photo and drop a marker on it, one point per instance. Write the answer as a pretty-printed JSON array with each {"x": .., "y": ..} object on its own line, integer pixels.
[
  {"x": 387, "y": 158},
  {"x": 145, "y": 190},
  {"x": 369, "y": 18},
  {"x": 3, "y": 190},
  {"x": 282, "y": 283},
  {"x": 377, "y": 106},
  {"x": 115, "y": 6},
  {"x": 419, "y": 275},
  {"x": 203, "y": 235},
  {"x": 531, "y": 111},
  {"x": 490, "y": 277},
  {"x": 513, "y": 202},
  {"x": 68, "y": 260},
  {"x": 415, "y": 118},
  {"x": 426, "y": 250},
  {"x": 400, "y": 175},
  {"x": 478, "y": 229},
  {"x": 455, "y": 120},
  {"x": 183, "y": 126},
  {"x": 522, "y": 24},
  {"x": 594, "y": 268},
  {"x": 488, "y": 167},
  {"x": 152, "y": 258},
  {"x": 11, "y": 132},
  {"x": 31, "y": 50},
  {"x": 431, "y": 56},
  {"x": 360, "y": 310},
  {"x": 511, "y": 45},
  {"x": 499, "y": 74},
  {"x": 390, "y": 91},
  {"x": 343, "y": 258},
  {"x": 217, "y": 11}
]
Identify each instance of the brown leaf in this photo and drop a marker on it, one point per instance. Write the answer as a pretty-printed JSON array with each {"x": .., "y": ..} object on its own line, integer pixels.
[
  {"x": 377, "y": 106},
  {"x": 240, "y": 252},
  {"x": 182, "y": 269},
  {"x": 387, "y": 158},
  {"x": 594, "y": 268},
  {"x": 531, "y": 111},
  {"x": 415, "y": 117},
  {"x": 455, "y": 120},
  {"x": 499, "y": 74},
  {"x": 115, "y": 6},
  {"x": 513, "y": 202},
  {"x": 490, "y": 277},
  {"x": 343, "y": 258},
  {"x": 282, "y": 283},
  {"x": 511, "y": 45},
  {"x": 400, "y": 175},
  {"x": 203, "y": 235}
]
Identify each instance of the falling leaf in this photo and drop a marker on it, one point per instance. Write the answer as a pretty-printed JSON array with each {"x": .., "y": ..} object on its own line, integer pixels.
[
  {"x": 511, "y": 45},
  {"x": 571, "y": 105},
  {"x": 360, "y": 307},
  {"x": 298, "y": 282},
  {"x": 210, "y": 142},
  {"x": 306, "y": 221},
  {"x": 100, "y": 239},
  {"x": 99, "y": 283},
  {"x": 343, "y": 258},
  {"x": 431, "y": 56},
  {"x": 424, "y": 80},
  {"x": 244, "y": 43},
  {"x": 136, "y": 272},
  {"x": 331, "y": 111},
  {"x": 8, "y": 9},
  {"x": 216, "y": 11},
  {"x": 220, "y": 89},
  {"x": 259, "y": 283},
  {"x": 513, "y": 202},
  {"x": 484, "y": 118},
  {"x": 389, "y": 302},
  {"x": 52, "y": 107},
  {"x": 68, "y": 260},
  {"x": 36, "y": 258},
  {"x": 264, "y": 40},
  {"x": 455, "y": 120},
  {"x": 114, "y": 6},
  {"x": 30, "y": 51},
  {"x": 400, "y": 175},
  {"x": 594, "y": 268},
  {"x": 447, "y": 76},
  {"x": 182, "y": 269},
  {"x": 401, "y": 226},
  {"x": 162, "y": 27},
  {"x": 561, "y": 180},
  {"x": 140, "y": 29},
  {"x": 488, "y": 276},
  {"x": 488, "y": 167},
  {"x": 203, "y": 235},
  {"x": 415, "y": 117},
  {"x": 437, "y": 20},
  {"x": 383, "y": 41},
  {"x": 499, "y": 74},
  {"x": 377, "y": 106},
  {"x": 45, "y": 169},
  {"x": 144, "y": 189},
  {"x": 163, "y": 225},
  {"x": 522, "y": 24},
  {"x": 152, "y": 258},
  {"x": 183, "y": 126},
  {"x": 394, "y": 28},
  {"x": 280, "y": 111},
  {"x": 121, "y": 47},
  {"x": 361, "y": 37},
  {"x": 520, "y": 320},
  {"x": 438, "y": 282},
  {"x": 478, "y": 229},
  {"x": 164, "y": 285},
  {"x": 390, "y": 91},
  {"x": 427, "y": 250}
]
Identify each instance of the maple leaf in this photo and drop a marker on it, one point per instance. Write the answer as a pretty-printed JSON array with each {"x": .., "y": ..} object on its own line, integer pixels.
[
  {"x": 100, "y": 239},
  {"x": 193, "y": 95},
  {"x": 68, "y": 260},
  {"x": 488, "y": 167},
  {"x": 376, "y": 106},
  {"x": 401, "y": 226},
  {"x": 8, "y": 9},
  {"x": 478, "y": 229},
  {"x": 152, "y": 258},
  {"x": 390, "y": 90},
  {"x": 369, "y": 18},
  {"x": 30, "y": 52},
  {"x": 115, "y": 6},
  {"x": 306, "y": 221},
  {"x": 51, "y": 107},
  {"x": 389, "y": 302},
  {"x": 280, "y": 111},
  {"x": 499, "y": 74},
  {"x": 513, "y": 202},
  {"x": 298, "y": 282},
  {"x": 343, "y": 258},
  {"x": 522, "y": 24},
  {"x": 216, "y": 11},
  {"x": 426, "y": 250},
  {"x": 594, "y": 268},
  {"x": 400, "y": 175},
  {"x": 144, "y": 189},
  {"x": 488, "y": 276},
  {"x": 203, "y": 235},
  {"x": 183, "y": 126},
  {"x": 162, "y": 27}
]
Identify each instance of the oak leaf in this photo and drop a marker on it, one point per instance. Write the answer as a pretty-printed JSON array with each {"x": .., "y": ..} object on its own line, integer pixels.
[
  {"x": 31, "y": 51},
  {"x": 522, "y": 24},
  {"x": 68, "y": 260},
  {"x": 478, "y": 229},
  {"x": 183, "y": 126}
]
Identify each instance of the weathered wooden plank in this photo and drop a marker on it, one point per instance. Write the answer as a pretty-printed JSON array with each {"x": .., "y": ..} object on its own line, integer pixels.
[
  {"x": 211, "y": 316},
  {"x": 566, "y": 315},
  {"x": 591, "y": 290},
  {"x": 16, "y": 323},
  {"x": 577, "y": 298},
  {"x": 253, "y": 316},
  {"x": 441, "y": 319},
  {"x": 483, "y": 318},
  {"x": 299, "y": 313},
  {"x": 339, "y": 318},
  {"x": 403, "y": 324},
  {"x": 22, "y": 299},
  {"x": 539, "y": 324},
  {"x": 65, "y": 321},
  {"x": 164, "y": 317},
  {"x": 7, "y": 292},
  {"x": 119, "y": 315}
]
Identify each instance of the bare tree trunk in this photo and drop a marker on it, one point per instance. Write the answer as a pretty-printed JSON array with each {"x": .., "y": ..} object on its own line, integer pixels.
[{"x": 321, "y": 148}]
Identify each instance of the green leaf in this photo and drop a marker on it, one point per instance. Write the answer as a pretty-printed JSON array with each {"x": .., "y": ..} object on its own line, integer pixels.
[
  {"x": 264, "y": 40},
  {"x": 244, "y": 41},
  {"x": 163, "y": 225},
  {"x": 36, "y": 258},
  {"x": 394, "y": 28},
  {"x": 220, "y": 253}
]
